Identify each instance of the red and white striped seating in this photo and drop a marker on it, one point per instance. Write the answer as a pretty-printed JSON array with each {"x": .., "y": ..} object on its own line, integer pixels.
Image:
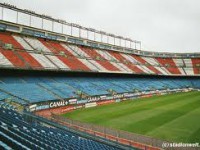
[{"x": 38, "y": 53}]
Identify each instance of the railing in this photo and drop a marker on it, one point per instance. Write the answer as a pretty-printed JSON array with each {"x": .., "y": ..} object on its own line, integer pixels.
[
  {"x": 52, "y": 123},
  {"x": 123, "y": 137}
]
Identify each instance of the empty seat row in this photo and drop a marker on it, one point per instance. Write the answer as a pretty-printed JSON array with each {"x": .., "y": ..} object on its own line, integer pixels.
[
  {"x": 38, "y": 89},
  {"x": 18, "y": 133},
  {"x": 37, "y": 53}
]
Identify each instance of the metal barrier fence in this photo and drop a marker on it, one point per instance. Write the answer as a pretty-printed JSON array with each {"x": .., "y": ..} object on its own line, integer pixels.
[{"x": 127, "y": 138}]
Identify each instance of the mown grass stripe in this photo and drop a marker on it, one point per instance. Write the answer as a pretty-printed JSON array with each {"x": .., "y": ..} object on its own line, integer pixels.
[
  {"x": 195, "y": 137},
  {"x": 154, "y": 122},
  {"x": 106, "y": 113},
  {"x": 131, "y": 118},
  {"x": 182, "y": 126},
  {"x": 152, "y": 116},
  {"x": 145, "y": 111}
]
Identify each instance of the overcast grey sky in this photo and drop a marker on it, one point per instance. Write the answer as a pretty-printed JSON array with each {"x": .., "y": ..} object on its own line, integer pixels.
[{"x": 161, "y": 25}]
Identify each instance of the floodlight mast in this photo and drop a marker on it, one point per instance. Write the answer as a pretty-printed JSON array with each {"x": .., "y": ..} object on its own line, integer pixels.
[{"x": 71, "y": 25}]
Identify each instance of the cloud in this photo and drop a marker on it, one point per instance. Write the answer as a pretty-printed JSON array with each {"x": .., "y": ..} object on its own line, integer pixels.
[{"x": 161, "y": 25}]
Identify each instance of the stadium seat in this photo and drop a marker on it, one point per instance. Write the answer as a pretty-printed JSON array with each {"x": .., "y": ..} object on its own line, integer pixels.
[
  {"x": 17, "y": 133},
  {"x": 52, "y": 88}
]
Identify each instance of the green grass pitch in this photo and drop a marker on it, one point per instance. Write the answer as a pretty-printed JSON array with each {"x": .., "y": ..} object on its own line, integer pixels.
[{"x": 174, "y": 117}]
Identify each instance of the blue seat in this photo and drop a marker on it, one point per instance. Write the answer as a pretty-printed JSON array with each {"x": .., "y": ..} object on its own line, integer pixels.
[
  {"x": 38, "y": 89},
  {"x": 36, "y": 136}
]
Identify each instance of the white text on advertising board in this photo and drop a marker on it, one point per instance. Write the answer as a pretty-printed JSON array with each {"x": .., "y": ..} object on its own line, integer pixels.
[{"x": 58, "y": 104}]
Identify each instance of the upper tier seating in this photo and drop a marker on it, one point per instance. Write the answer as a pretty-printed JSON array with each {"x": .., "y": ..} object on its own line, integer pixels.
[
  {"x": 169, "y": 64},
  {"x": 38, "y": 53},
  {"x": 196, "y": 65}
]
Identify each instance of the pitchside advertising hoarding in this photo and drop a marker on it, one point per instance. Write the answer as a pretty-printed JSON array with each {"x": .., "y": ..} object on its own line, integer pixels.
[
  {"x": 74, "y": 101},
  {"x": 92, "y": 101},
  {"x": 51, "y": 104},
  {"x": 104, "y": 97},
  {"x": 58, "y": 103},
  {"x": 82, "y": 101},
  {"x": 62, "y": 103}
]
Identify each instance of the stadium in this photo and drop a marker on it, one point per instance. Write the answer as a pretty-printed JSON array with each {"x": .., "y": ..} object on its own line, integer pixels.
[{"x": 63, "y": 91}]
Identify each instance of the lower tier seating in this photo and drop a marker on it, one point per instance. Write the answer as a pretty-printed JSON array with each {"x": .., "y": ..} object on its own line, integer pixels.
[
  {"x": 37, "y": 89},
  {"x": 18, "y": 133}
]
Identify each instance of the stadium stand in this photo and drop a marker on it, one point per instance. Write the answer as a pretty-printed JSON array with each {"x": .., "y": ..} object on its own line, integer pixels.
[
  {"x": 169, "y": 65},
  {"x": 37, "y": 53},
  {"x": 55, "y": 88},
  {"x": 16, "y": 132},
  {"x": 47, "y": 73}
]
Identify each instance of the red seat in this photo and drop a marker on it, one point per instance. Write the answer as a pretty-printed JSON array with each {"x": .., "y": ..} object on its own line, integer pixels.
[
  {"x": 171, "y": 66},
  {"x": 129, "y": 64},
  {"x": 105, "y": 63}
]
